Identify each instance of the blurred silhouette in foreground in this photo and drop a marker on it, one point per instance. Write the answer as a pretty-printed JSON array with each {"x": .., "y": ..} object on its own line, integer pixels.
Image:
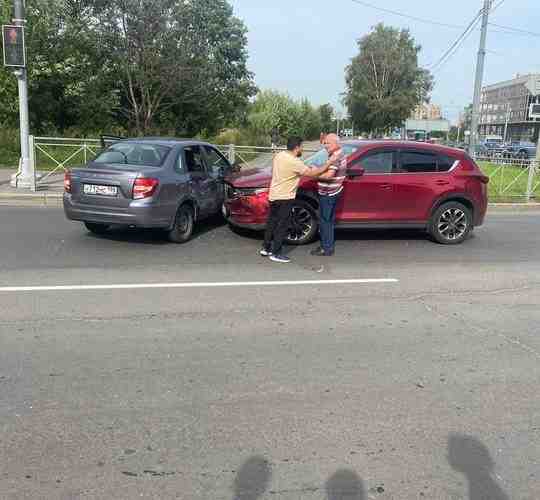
[
  {"x": 470, "y": 457},
  {"x": 345, "y": 485},
  {"x": 252, "y": 479}
]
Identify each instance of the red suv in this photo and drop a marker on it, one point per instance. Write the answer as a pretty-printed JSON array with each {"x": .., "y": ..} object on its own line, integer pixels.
[{"x": 390, "y": 184}]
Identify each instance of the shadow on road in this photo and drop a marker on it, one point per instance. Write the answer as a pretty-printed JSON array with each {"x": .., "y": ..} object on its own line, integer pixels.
[
  {"x": 471, "y": 457},
  {"x": 252, "y": 479},
  {"x": 345, "y": 484},
  {"x": 156, "y": 236},
  {"x": 466, "y": 454}
]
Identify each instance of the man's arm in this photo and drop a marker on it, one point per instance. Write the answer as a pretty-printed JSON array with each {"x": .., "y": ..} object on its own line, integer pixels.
[
  {"x": 328, "y": 174},
  {"x": 316, "y": 171}
]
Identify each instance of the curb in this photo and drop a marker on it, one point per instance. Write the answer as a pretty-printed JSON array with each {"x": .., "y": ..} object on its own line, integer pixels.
[
  {"x": 31, "y": 199},
  {"x": 517, "y": 207}
]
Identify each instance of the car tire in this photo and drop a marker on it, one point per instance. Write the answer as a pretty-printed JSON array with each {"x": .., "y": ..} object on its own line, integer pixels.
[
  {"x": 96, "y": 228},
  {"x": 304, "y": 224},
  {"x": 451, "y": 223},
  {"x": 184, "y": 222}
]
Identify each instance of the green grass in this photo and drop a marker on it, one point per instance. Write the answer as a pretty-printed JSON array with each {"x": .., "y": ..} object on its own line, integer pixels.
[{"x": 509, "y": 183}]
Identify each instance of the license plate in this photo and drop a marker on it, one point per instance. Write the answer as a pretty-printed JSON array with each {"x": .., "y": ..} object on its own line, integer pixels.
[{"x": 100, "y": 190}]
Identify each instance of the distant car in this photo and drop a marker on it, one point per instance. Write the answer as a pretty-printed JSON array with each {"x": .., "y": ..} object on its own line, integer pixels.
[
  {"x": 490, "y": 149},
  {"x": 389, "y": 184},
  {"x": 522, "y": 150},
  {"x": 168, "y": 184}
]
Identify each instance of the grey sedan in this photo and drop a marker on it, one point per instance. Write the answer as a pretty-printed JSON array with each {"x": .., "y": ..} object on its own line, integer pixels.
[{"x": 148, "y": 183}]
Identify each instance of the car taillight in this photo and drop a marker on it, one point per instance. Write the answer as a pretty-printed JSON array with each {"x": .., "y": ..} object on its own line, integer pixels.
[
  {"x": 67, "y": 182},
  {"x": 144, "y": 187}
]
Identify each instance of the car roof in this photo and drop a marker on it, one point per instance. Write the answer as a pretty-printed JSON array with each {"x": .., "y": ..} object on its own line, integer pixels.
[
  {"x": 434, "y": 148},
  {"x": 164, "y": 141}
]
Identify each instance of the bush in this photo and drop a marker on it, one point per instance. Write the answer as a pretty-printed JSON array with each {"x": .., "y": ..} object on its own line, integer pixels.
[{"x": 9, "y": 147}]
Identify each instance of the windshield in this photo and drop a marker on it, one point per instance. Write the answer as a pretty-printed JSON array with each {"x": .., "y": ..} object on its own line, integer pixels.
[
  {"x": 133, "y": 153},
  {"x": 319, "y": 158}
]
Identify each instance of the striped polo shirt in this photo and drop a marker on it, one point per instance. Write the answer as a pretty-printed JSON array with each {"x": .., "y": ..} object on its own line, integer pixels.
[{"x": 334, "y": 185}]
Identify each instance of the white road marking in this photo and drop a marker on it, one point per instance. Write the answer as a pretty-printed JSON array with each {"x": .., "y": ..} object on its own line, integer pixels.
[{"x": 224, "y": 284}]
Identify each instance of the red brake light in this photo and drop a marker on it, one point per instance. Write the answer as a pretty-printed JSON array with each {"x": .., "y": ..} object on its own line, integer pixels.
[
  {"x": 144, "y": 187},
  {"x": 67, "y": 182}
]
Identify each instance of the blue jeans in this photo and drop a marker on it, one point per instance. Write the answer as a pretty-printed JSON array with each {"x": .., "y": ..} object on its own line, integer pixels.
[{"x": 327, "y": 221}]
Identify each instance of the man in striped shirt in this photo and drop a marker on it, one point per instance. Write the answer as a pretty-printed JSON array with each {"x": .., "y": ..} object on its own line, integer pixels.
[{"x": 330, "y": 187}]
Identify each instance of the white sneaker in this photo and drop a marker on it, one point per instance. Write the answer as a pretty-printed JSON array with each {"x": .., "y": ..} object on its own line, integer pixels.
[{"x": 283, "y": 259}]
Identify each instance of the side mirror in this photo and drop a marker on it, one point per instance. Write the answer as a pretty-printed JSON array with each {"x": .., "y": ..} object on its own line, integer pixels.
[{"x": 356, "y": 172}]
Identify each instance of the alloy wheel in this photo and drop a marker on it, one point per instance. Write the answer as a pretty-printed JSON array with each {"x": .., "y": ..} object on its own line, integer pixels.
[
  {"x": 453, "y": 224},
  {"x": 301, "y": 224}
]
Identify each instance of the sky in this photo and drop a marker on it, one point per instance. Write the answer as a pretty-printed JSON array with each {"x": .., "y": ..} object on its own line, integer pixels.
[{"x": 303, "y": 46}]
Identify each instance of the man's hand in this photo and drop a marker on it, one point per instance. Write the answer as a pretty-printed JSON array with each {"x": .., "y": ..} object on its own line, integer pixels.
[
  {"x": 317, "y": 171},
  {"x": 327, "y": 175}
]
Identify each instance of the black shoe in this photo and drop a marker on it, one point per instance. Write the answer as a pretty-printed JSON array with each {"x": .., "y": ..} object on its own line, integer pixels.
[
  {"x": 265, "y": 253},
  {"x": 319, "y": 252}
]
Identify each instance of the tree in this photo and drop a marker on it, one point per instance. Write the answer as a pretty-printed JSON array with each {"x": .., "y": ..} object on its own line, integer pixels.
[
  {"x": 70, "y": 82},
  {"x": 181, "y": 64},
  {"x": 326, "y": 113},
  {"x": 274, "y": 110},
  {"x": 466, "y": 117},
  {"x": 384, "y": 81}
]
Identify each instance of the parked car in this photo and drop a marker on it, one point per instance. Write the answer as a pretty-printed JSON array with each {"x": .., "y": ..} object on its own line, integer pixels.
[
  {"x": 148, "y": 183},
  {"x": 520, "y": 149},
  {"x": 491, "y": 149},
  {"x": 390, "y": 184}
]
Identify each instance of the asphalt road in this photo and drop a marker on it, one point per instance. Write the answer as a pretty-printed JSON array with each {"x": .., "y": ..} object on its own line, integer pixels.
[{"x": 426, "y": 387}]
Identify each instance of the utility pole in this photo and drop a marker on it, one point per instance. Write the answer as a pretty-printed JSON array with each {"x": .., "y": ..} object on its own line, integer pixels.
[
  {"x": 479, "y": 76},
  {"x": 25, "y": 177},
  {"x": 506, "y": 122}
]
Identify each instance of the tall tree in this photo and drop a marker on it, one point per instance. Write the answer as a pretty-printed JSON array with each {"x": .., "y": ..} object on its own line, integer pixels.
[
  {"x": 326, "y": 113},
  {"x": 177, "y": 58},
  {"x": 70, "y": 82},
  {"x": 384, "y": 81}
]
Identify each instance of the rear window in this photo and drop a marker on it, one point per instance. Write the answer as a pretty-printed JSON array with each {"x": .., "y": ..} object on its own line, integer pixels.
[
  {"x": 133, "y": 153},
  {"x": 446, "y": 163}
]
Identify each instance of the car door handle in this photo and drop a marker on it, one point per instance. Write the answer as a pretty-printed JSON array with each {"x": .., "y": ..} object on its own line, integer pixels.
[
  {"x": 442, "y": 182},
  {"x": 386, "y": 186}
]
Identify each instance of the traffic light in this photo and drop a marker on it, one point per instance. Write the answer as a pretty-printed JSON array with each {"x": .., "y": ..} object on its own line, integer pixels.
[{"x": 14, "y": 50}]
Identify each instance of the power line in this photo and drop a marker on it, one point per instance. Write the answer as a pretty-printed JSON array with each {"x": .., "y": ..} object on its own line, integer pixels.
[
  {"x": 509, "y": 29},
  {"x": 516, "y": 30},
  {"x": 450, "y": 51},
  {"x": 493, "y": 9},
  {"x": 401, "y": 14}
]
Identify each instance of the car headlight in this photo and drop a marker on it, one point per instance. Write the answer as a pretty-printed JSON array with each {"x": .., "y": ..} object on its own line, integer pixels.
[{"x": 250, "y": 191}]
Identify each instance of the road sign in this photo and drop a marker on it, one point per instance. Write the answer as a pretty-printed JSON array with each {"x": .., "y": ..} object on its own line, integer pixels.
[
  {"x": 14, "y": 49},
  {"x": 534, "y": 111}
]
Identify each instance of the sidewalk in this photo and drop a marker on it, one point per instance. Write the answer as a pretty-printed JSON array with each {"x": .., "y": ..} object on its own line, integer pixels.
[{"x": 49, "y": 194}]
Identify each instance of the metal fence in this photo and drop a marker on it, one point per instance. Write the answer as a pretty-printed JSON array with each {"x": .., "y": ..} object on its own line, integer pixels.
[
  {"x": 52, "y": 156},
  {"x": 511, "y": 179}
]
